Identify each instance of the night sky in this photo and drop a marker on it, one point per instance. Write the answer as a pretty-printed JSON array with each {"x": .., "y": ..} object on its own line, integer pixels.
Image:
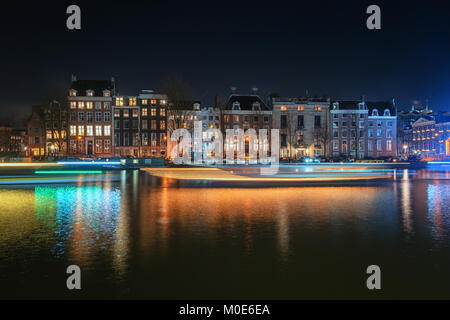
[{"x": 285, "y": 47}]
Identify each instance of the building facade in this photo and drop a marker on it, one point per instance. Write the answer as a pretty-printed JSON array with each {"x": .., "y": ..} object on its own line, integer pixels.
[
  {"x": 90, "y": 117},
  {"x": 304, "y": 127},
  {"x": 246, "y": 111},
  {"x": 431, "y": 139},
  {"x": 381, "y": 130},
  {"x": 36, "y": 133}
]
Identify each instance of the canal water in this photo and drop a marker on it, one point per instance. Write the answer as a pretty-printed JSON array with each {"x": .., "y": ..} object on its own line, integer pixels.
[{"x": 142, "y": 237}]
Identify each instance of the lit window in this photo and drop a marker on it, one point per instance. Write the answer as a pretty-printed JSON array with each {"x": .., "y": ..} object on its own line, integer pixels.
[
  {"x": 49, "y": 134},
  {"x": 73, "y": 93},
  {"x": 135, "y": 113},
  {"x": 98, "y": 130},
  {"x": 81, "y": 130},
  {"x": 144, "y": 111},
  {"x": 300, "y": 108},
  {"x": 89, "y": 93},
  {"x": 144, "y": 102},
  {"x": 163, "y": 102},
  {"x": 88, "y": 105},
  {"x": 106, "y": 93},
  {"x": 89, "y": 131},
  {"x": 107, "y": 130},
  {"x": 153, "y": 101},
  {"x": 153, "y": 112},
  {"x": 119, "y": 101},
  {"x": 317, "y": 108},
  {"x": 162, "y": 112},
  {"x": 283, "y": 108},
  {"x": 73, "y": 105},
  {"x": 162, "y": 125},
  {"x": 132, "y": 101},
  {"x": 73, "y": 130},
  {"x": 126, "y": 113},
  {"x": 81, "y": 104}
]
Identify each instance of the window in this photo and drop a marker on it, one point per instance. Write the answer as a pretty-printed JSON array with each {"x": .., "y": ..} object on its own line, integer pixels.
[
  {"x": 106, "y": 93},
  {"x": 379, "y": 145},
  {"x": 49, "y": 134},
  {"x": 153, "y": 112},
  {"x": 81, "y": 130},
  {"x": 344, "y": 133},
  {"x": 317, "y": 108},
  {"x": 126, "y": 139},
  {"x": 89, "y": 131},
  {"x": 283, "y": 108},
  {"x": 107, "y": 116},
  {"x": 144, "y": 112},
  {"x": 98, "y": 117},
  {"x": 389, "y": 123},
  {"x": 335, "y": 134},
  {"x": 73, "y": 104},
  {"x": 89, "y": 93},
  {"x": 370, "y": 133},
  {"x": 375, "y": 112},
  {"x": 266, "y": 119},
  {"x": 107, "y": 146},
  {"x": 145, "y": 139},
  {"x": 335, "y": 145},
  {"x": 283, "y": 123},
  {"x": 132, "y": 101},
  {"x": 73, "y": 130},
  {"x": 163, "y": 102},
  {"x": 335, "y": 124},
  {"x": 116, "y": 124},
  {"x": 370, "y": 145},
  {"x": 98, "y": 130},
  {"x": 344, "y": 146},
  {"x": 387, "y": 113},
  {"x": 153, "y": 101},
  {"x": 89, "y": 117},
  {"x": 236, "y": 118},
  {"x": 80, "y": 116},
  {"x": 81, "y": 105},
  {"x": 361, "y": 124},
  {"x": 153, "y": 124},
  {"x": 255, "y": 119},
  {"x": 119, "y": 101},
  {"x": 317, "y": 121},
  {"x": 162, "y": 125},
  {"x": 116, "y": 113},
  {"x": 388, "y": 133},
  {"x": 135, "y": 113},
  {"x": 126, "y": 113},
  {"x": 98, "y": 105},
  {"x": 379, "y": 123},
  {"x": 107, "y": 130},
  {"x": 144, "y": 124},
  {"x": 300, "y": 121},
  {"x": 106, "y": 105},
  {"x": 388, "y": 145},
  {"x": 73, "y": 116},
  {"x": 379, "y": 132},
  {"x": 300, "y": 108},
  {"x": 88, "y": 105},
  {"x": 73, "y": 93},
  {"x": 126, "y": 124},
  {"x": 162, "y": 112},
  {"x": 283, "y": 140},
  {"x": 226, "y": 118}
]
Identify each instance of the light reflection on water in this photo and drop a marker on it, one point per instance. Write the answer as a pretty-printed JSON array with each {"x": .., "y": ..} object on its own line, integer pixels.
[{"x": 145, "y": 237}]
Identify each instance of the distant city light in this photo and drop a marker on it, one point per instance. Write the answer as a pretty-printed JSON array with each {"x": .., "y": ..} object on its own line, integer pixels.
[
  {"x": 68, "y": 172},
  {"x": 93, "y": 163}
]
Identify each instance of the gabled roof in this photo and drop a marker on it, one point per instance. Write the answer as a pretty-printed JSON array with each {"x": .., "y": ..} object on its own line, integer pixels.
[
  {"x": 381, "y": 106},
  {"x": 348, "y": 104},
  {"x": 246, "y": 102},
  {"x": 98, "y": 86}
]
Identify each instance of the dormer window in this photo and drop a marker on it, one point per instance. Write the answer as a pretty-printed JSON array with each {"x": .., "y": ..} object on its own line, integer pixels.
[
  {"x": 335, "y": 106},
  {"x": 256, "y": 106},
  {"x": 73, "y": 93},
  {"x": 375, "y": 112},
  {"x": 106, "y": 93},
  {"x": 89, "y": 93},
  {"x": 387, "y": 113},
  {"x": 119, "y": 101},
  {"x": 196, "y": 106},
  {"x": 236, "y": 106},
  {"x": 361, "y": 106}
]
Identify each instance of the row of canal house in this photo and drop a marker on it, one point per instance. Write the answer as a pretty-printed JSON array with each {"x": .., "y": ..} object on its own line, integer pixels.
[{"x": 98, "y": 121}]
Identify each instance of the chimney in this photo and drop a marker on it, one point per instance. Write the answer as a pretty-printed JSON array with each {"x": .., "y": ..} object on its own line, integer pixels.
[
  {"x": 255, "y": 91},
  {"x": 233, "y": 90},
  {"x": 74, "y": 77}
]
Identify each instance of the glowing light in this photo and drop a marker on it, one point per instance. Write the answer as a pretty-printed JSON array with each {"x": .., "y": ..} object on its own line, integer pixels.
[
  {"x": 98, "y": 163},
  {"x": 68, "y": 172},
  {"x": 28, "y": 164}
]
